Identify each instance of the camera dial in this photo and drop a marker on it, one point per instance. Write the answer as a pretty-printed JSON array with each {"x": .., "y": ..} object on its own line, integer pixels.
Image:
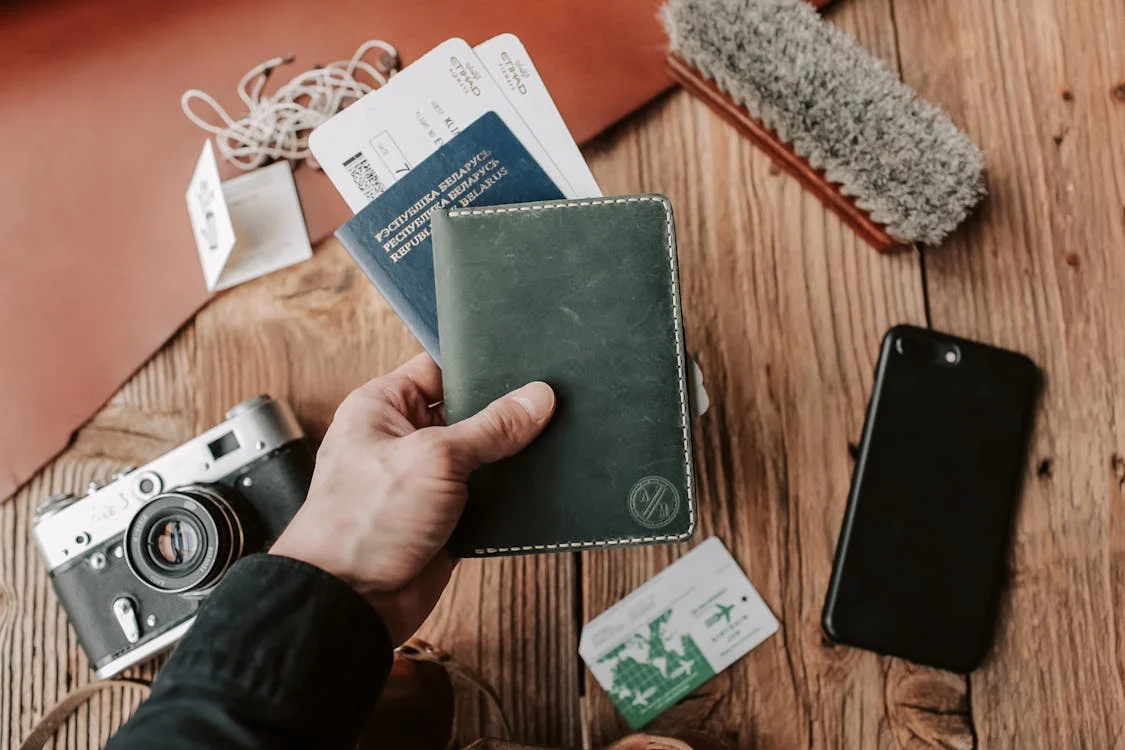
[
  {"x": 147, "y": 484},
  {"x": 183, "y": 540},
  {"x": 244, "y": 406}
]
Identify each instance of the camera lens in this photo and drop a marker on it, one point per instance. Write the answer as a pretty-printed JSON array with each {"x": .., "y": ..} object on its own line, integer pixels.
[
  {"x": 915, "y": 348},
  {"x": 183, "y": 540},
  {"x": 175, "y": 543}
]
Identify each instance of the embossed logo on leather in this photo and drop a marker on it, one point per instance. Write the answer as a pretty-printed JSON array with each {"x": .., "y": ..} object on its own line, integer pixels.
[{"x": 654, "y": 502}]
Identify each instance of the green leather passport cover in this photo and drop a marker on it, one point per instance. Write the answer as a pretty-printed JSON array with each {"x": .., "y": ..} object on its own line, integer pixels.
[{"x": 583, "y": 294}]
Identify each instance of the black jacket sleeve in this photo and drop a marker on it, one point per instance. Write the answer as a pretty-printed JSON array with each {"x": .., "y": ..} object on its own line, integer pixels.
[{"x": 281, "y": 655}]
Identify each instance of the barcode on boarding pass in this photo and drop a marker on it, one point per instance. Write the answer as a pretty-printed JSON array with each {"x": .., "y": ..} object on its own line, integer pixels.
[{"x": 364, "y": 177}]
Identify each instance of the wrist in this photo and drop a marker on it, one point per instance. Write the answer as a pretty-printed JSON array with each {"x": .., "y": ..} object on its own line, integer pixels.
[
  {"x": 288, "y": 545},
  {"x": 387, "y": 605},
  {"x": 399, "y": 624}
]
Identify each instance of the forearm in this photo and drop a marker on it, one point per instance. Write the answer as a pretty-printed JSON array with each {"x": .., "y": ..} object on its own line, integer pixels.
[{"x": 281, "y": 655}]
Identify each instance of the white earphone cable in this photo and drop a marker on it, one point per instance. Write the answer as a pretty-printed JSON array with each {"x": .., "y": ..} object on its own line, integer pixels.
[{"x": 278, "y": 126}]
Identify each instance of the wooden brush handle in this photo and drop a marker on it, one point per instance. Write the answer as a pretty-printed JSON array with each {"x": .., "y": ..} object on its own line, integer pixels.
[{"x": 782, "y": 153}]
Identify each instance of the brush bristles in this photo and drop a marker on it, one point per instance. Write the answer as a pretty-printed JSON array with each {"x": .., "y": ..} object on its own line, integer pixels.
[{"x": 902, "y": 159}]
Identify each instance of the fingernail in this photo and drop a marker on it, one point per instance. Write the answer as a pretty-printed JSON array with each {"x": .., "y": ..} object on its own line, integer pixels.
[{"x": 536, "y": 398}]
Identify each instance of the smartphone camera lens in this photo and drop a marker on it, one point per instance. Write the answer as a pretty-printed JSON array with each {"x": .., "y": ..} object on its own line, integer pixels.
[
  {"x": 914, "y": 348},
  {"x": 926, "y": 351}
]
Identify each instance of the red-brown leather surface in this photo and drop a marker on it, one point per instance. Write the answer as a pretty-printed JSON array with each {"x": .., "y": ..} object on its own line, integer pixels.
[{"x": 97, "y": 264}]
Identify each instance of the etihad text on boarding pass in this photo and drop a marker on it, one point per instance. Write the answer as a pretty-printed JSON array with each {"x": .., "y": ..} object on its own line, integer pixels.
[
  {"x": 509, "y": 64},
  {"x": 371, "y": 144}
]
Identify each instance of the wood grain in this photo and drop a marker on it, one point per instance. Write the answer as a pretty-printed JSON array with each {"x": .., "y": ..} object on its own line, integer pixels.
[
  {"x": 784, "y": 309},
  {"x": 1041, "y": 271},
  {"x": 40, "y": 660}
]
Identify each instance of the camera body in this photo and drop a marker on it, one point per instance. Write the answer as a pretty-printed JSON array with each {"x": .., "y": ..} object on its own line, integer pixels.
[{"x": 133, "y": 559}]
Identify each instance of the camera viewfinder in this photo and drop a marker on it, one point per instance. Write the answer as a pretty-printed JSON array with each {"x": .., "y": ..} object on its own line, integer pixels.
[{"x": 223, "y": 446}]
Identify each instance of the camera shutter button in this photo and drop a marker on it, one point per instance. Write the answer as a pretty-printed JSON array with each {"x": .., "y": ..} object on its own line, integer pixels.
[{"x": 126, "y": 615}]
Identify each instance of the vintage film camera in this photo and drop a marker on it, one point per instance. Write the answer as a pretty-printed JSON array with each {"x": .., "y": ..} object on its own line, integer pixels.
[{"x": 132, "y": 560}]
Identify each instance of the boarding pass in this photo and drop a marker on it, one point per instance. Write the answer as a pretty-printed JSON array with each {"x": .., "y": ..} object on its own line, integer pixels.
[{"x": 381, "y": 137}]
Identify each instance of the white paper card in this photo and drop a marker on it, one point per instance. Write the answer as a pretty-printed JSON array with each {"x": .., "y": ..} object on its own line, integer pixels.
[
  {"x": 509, "y": 64},
  {"x": 371, "y": 144},
  {"x": 210, "y": 219},
  {"x": 700, "y": 401},
  {"x": 247, "y": 226},
  {"x": 688, "y": 623}
]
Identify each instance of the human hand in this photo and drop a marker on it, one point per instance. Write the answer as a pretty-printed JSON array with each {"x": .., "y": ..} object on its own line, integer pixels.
[{"x": 390, "y": 484}]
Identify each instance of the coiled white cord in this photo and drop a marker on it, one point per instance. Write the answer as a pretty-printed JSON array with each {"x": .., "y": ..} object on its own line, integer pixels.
[{"x": 278, "y": 126}]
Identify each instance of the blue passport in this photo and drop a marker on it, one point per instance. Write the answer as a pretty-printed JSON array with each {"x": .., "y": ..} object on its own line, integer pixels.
[{"x": 483, "y": 165}]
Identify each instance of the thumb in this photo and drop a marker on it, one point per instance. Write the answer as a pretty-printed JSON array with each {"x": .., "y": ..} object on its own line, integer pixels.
[{"x": 504, "y": 427}]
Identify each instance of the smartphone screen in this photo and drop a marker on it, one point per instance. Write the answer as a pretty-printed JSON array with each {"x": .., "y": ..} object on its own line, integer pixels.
[{"x": 920, "y": 559}]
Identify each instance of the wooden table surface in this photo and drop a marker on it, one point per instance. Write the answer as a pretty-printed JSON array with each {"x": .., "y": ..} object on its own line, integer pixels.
[{"x": 784, "y": 310}]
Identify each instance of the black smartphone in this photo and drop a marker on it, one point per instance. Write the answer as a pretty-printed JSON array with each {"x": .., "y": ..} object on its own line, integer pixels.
[{"x": 920, "y": 559}]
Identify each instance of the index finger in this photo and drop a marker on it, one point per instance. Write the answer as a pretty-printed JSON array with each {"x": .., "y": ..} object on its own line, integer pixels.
[
  {"x": 416, "y": 379},
  {"x": 424, "y": 374}
]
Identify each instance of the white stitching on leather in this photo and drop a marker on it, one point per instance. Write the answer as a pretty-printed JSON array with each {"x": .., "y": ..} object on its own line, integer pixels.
[{"x": 669, "y": 243}]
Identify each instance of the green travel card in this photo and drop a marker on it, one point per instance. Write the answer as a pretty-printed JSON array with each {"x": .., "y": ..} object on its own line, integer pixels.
[{"x": 690, "y": 622}]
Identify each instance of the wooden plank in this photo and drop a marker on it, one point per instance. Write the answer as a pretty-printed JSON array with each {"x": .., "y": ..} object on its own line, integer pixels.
[
  {"x": 1041, "y": 271},
  {"x": 513, "y": 621},
  {"x": 309, "y": 334},
  {"x": 784, "y": 309},
  {"x": 40, "y": 660}
]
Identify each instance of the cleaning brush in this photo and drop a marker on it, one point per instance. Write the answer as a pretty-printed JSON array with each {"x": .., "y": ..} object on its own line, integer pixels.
[{"x": 890, "y": 164}]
